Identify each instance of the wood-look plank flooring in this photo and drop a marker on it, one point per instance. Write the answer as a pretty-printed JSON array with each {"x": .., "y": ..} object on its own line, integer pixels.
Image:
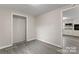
[
  {"x": 32, "y": 47},
  {"x": 71, "y": 44}
]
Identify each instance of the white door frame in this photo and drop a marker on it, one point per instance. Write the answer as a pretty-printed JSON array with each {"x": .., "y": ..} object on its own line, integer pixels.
[{"x": 12, "y": 25}]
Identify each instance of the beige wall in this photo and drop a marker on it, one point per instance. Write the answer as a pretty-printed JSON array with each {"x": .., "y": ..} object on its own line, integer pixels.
[
  {"x": 49, "y": 28},
  {"x": 31, "y": 28},
  {"x": 46, "y": 27},
  {"x": 5, "y": 28}
]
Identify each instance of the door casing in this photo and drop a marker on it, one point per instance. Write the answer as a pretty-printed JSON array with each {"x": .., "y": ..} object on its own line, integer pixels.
[{"x": 12, "y": 26}]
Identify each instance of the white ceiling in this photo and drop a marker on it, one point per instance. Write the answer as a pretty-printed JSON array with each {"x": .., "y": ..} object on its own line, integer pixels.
[
  {"x": 72, "y": 13},
  {"x": 32, "y": 9}
]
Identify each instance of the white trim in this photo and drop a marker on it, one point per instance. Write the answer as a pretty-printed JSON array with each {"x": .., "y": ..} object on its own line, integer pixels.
[
  {"x": 31, "y": 39},
  {"x": 50, "y": 43},
  {"x": 19, "y": 14},
  {"x": 12, "y": 25},
  {"x": 61, "y": 28},
  {"x": 6, "y": 46},
  {"x": 27, "y": 28},
  {"x": 12, "y": 28}
]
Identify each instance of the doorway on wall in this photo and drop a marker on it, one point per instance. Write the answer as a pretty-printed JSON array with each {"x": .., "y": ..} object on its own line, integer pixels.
[{"x": 19, "y": 29}]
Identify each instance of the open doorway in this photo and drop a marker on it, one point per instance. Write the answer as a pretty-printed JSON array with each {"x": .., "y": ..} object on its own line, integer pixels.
[{"x": 71, "y": 30}]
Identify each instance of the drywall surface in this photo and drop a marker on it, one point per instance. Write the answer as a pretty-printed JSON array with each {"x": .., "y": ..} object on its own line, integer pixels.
[
  {"x": 31, "y": 28},
  {"x": 49, "y": 28},
  {"x": 5, "y": 28}
]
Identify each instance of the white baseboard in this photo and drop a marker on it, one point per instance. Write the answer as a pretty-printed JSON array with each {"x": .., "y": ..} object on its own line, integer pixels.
[
  {"x": 31, "y": 39},
  {"x": 6, "y": 46},
  {"x": 50, "y": 43}
]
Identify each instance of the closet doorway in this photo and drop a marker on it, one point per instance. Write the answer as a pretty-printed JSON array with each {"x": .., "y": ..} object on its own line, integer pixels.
[{"x": 19, "y": 29}]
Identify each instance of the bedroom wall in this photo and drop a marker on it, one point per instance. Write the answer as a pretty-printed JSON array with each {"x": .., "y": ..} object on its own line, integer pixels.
[
  {"x": 49, "y": 27},
  {"x": 5, "y": 27}
]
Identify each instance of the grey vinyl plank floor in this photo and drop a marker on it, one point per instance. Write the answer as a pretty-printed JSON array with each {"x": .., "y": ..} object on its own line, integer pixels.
[
  {"x": 38, "y": 47},
  {"x": 71, "y": 44},
  {"x": 32, "y": 47}
]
